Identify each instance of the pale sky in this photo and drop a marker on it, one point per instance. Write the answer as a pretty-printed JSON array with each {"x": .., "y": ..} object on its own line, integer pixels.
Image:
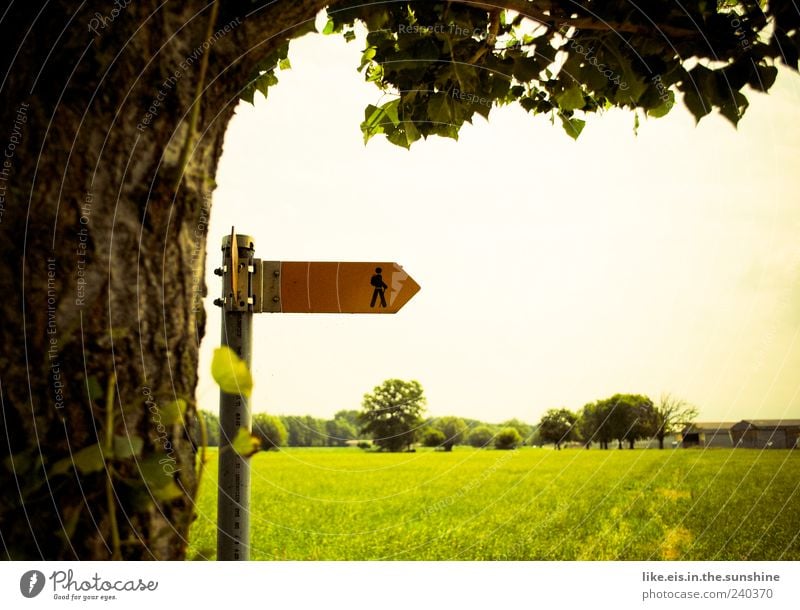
[{"x": 553, "y": 272}]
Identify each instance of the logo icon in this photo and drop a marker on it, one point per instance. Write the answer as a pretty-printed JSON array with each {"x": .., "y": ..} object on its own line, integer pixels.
[{"x": 31, "y": 583}]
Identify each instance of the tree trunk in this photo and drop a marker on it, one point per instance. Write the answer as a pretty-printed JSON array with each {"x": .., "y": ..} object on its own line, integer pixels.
[
  {"x": 660, "y": 442},
  {"x": 631, "y": 442},
  {"x": 106, "y": 186}
]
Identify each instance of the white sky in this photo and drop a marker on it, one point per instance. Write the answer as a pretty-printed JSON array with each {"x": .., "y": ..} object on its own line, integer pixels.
[{"x": 553, "y": 272}]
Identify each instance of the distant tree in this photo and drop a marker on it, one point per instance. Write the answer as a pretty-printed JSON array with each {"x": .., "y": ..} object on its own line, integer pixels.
[
  {"x": 507, "y": 438},
  {"x": 453, "y": 429},
  {"x": 350, "y": 416},
  {"x": 305, "y": 430},
  {"x": 641, "y": 418},
  {"x": 525, "y": 430},
  {"x": 623, "y": 417},
  {"x": 212, "y": 429},
  {"x": 670, "y": 414},
  {"x": 480, "y": 436},
  {"x": 294, "y": 430},
  {"x": 392, "y": 413},
  {"x": 432, "y": 437},
  {"x": 270, "y": 430},
  {"x": 556, "y": 426},
  {"x": 591, "y": 424},
  {"x": 316, "y": 433},
  {"x": 536, "y": 438},
  {"x": 338, "y": 431}
]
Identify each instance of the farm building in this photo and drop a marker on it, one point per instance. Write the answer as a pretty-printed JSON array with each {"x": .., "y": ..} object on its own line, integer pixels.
[
  {"x": 708, "y": 434},
  {"x": 767, "y": 433}
]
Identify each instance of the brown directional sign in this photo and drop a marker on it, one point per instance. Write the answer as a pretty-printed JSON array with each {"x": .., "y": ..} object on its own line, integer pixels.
[{"x": 331, "y": 287}]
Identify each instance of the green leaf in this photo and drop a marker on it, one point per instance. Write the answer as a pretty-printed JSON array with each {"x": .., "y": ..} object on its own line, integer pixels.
[
  {"x": 248, "y": 94},
  {"x": 546, "y": 53},
  {"x": 231, "y": 372},
  {"x": 526, "y": 68},
  {"x": 94, "y": 388},
  {"x": 127, "y": 446},
  {"x": 265, "y": 81},
  {"x": 172, "y": 412},
  {"x": 499, "y": 87},
  {"x": 734, "y": 108},
  {"x": 374, "y": 73},
  {"x": 158, "y": 474},
  {"x": 528, "y": 103},
  {"x": 664, "y": 107},
  {"x": 405, "y": 135},
  {"x": 87, "y": 460},
  {"x": 329, "y": 28},
  {"x": 764, "y": 78},
  {"x": 245, "y": 443},
  {"x": 375, "y": 119},
  {"x": 440, "y": 108},
  {"x": 349, "y": 36},
  {"x": 572, "y": 126},
  {"x": 571, "y": 99},
  {"x": 366, "y": 57},
  {"x": 285, "y": 64},
  {"x": 700, "y": 90},
  {"x": 696, "y": 105}
]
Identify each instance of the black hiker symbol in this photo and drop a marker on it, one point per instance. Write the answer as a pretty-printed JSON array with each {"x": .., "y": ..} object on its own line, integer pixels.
[{"x": 380, "y": 287}]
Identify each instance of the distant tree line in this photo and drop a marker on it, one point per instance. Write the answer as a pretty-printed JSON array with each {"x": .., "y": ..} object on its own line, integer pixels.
[
  {"x": 622, "y": 419},
  {"x": 306, "y": 431},
  {"x": 392, "y": 419},
  {"x": 293, "y": 430}
]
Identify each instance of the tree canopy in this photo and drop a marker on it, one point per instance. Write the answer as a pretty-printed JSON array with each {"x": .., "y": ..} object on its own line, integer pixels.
[
  {"x": 270, "y": 430},
  {"x": 507, "y": 438},
  {"x": 480, "y": 436},
  {"x": 453, "y": 429},
  {"x": 392, "y": 413},
  {"x": 556, "y": 426},
  {"x": 671, "y": 414},
  {"x": 441, "y": 63}
]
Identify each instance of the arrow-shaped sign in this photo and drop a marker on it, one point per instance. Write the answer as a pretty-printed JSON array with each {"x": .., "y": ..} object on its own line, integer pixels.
[{"x": 330, "y": 287}]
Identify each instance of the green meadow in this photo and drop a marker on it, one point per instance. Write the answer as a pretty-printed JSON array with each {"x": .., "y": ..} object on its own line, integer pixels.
[{"x": 527, "y": 504}]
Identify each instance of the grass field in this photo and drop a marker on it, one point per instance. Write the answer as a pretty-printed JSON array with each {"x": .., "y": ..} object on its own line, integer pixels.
[{"x": 529, "y": 504}]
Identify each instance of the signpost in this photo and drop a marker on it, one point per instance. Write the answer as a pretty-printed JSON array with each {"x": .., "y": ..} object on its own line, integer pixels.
[
  {"x": 250, "y": 285},
  {"x": 233, "y": 491}
]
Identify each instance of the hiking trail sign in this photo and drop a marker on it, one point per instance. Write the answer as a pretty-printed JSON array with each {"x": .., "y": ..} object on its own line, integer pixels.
[
  {"x": 249, "y": 286},
  {"x": 330, "y": 287}
]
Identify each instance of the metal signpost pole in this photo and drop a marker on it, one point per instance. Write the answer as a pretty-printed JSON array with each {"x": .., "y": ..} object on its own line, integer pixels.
[{"x": 233, "y": 494}]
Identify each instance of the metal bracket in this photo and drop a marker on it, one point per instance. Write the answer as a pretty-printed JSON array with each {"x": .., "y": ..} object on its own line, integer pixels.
[
  {"x": 237, "y": 272},
  {"x": 266, "y": 286}
]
